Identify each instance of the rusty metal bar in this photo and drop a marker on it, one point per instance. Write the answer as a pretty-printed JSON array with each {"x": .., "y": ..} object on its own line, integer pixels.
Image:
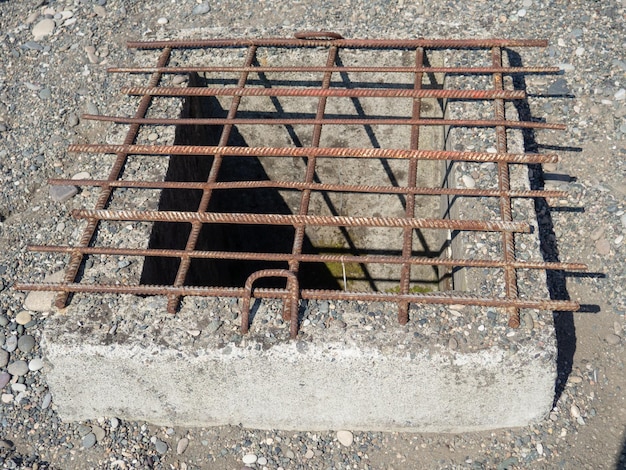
[
  {"x": 328, "y": 92},
  {"x": 325, "y": 121},
  {"x": 344, "y": 43},
  {"x": 196, "y": 225},
  {"x": 88, "y": 232},
  {"x": 308, "y": 258},
  {"x": 295, "y": 220},
  {"x": 508, "y": 241},
  {"x": 326, "y": 152},
  {"x": 339, "y": 69},
  {"x": 296, "y": 185},
  {"x": 441, "y": 298}
]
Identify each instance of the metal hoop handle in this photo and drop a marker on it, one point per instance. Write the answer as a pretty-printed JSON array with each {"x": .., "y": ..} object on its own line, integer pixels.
[{"x": 327, "y": 35}]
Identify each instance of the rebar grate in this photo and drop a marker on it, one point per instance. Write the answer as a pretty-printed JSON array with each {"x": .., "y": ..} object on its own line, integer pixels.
[{"x": 302, "y": 97}]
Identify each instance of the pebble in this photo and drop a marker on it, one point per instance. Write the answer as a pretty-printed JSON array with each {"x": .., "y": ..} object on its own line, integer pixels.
[
  {"x": 100, "y": 11},
  {"x": 309, "y": 454},
  {"x": 18, "y": 368},
  {"x": 23, "y": 317},
  {"x": 181, "y": 447},
  {"x": 26, "y": 343},
  {"x": 98, "y": 432},
  {"x": 249, "y": 458},
  {"x": 178, "y": 79},
  {"x": 35, "y": 364},
  {"x": 18, "y": 388},
  {"x": 262, "y": 461},
  {"x": 45, "y": 94},
  {"x": 33, "y": 46},
  {"x": 597, "y": 234},
  {"x": 89, "y": 440},
  {"x": 574, "y": 411},
  {"x": 72, "y": 120},
  {"x": 603, "y": 247},
  {"x": 11, "y": 343},
  {"x": 92, "y": 108},
  {"x": 558, "y": 87},
  {"x": 201, "y": 9},
  {"x": 453, "y": 343},
  {"x": 4, "y": 358},
  {"x": 47, "y": 399},
  {"x": 114, "y": 422},
  {"x": 345, "y": 438},
  {"x": 162, "y": 20},
  {"x": 612, "y": 339},
  {"x": 5, "y": 378},
  {"x": 214, "y": 326},
  {"x": 620, "y": 94},
  {"x": 160, "y": 446},
  {"x": 32, "y": 17},
  {"x": 575, "y": 379},
  {"x": 63, "y": 193},
  {"x": 468, "y": 181},
  {"x": 521, "y": 13},
  {"x": 7, "y": 398},
  {"x": 43, "y": 28}
]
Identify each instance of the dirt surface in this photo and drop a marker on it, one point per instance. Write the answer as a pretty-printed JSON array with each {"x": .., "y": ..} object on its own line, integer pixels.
[{"x": 46, "y": 82}]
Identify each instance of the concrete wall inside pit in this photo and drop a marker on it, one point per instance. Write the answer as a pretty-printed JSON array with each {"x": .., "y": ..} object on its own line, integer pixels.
[{"x": 345, "y": 171}]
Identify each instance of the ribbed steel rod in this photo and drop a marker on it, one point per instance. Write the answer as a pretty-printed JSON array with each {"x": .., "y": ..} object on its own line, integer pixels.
[
  {"x": 338, "y": 69},
  {"x": 347, "y": 43},
  {"x": 309, "y": 294},
  {"x": 330, "y": 92},
  {"x": 326, "y": 152},
  {"x": 307, "y": 258},
  {"x": 296, "y": 185},
  {"x": 325, "y": 121}
]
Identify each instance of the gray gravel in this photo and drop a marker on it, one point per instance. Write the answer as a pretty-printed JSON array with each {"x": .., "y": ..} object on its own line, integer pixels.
[{"x": 54, "y": 56}]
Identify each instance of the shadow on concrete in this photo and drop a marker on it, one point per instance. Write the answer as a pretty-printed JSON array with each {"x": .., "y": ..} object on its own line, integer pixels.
[
  {"x": 620, "y": 461},
  {"x": 564, "y": 326}
]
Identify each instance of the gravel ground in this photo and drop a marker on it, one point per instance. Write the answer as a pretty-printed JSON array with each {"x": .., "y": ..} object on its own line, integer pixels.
[{"x": 46, "y": 81}]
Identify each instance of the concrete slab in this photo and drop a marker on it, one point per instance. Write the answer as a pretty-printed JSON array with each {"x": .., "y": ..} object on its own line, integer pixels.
[{"x": 140, "y": 363}]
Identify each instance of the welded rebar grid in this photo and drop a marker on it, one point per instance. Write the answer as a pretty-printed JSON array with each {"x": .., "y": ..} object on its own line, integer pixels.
[{"x": 304, "y": 219}]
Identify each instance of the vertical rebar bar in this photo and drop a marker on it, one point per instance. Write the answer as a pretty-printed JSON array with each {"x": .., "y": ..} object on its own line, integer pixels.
[
  {"x": 196, "y": 227},
  {"x": 407, "y": 242},
  {"x": 508, "y": 241}
]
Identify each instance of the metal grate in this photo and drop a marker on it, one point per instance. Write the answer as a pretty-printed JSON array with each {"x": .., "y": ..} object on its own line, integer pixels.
[{"x": 317, "y": 84}]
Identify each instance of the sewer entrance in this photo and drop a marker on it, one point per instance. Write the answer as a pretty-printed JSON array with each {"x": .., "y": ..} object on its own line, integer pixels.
[{"x": 356, "y": 172}]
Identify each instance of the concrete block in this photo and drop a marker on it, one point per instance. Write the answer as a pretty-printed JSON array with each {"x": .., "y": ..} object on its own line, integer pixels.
[{"x": 140, "y": 363}]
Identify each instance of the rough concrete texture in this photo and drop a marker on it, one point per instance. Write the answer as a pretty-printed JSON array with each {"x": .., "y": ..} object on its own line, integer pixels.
[{"x": 173, "y": 371}]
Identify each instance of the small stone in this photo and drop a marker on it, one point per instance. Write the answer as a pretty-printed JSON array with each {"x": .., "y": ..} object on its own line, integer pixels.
[
  {"x": 83, "y": 175},
  {"x": 201, "y": 9},
  {"x": 453, "y": 344},
  {"x": 32, "y": 17},
  {"x": 45, "y": 93},
  {"x": 612, "y": 339},
  {"x": 468, "y": 181},
  {"x": 92, "y": 108},
  {"x": 100, "y": 11},
  {"x": 597, "y": 234},
  {"x": 4, "y": 358},
  {"x": 160, "y": 446},
  {"x": 558, "y": 87},
  {"x": 18, "y": 388},
  {"x": 162, "y": 20},
  {"x": 98, "y": 432},
  {"x": 63, "y": 193},
  {"x": 5, "y": 378},
  {"x": 18, "y": 368},
  {"x": 539, "y": 448},
  {"x": 181, "y": 447},
  {"x": 575, "y": 379},
  {"x": 35, "y": 364},
  {"x": 620, "y": 94},
  {"x": 574, "y": 411},
  {"x": 527, "y": 3},
  {"x": 40, "y": 301},
  {"x": 89, "y": 440},
  {"x": 521, "y": 13},
  {"x": 72, "y": 120},
  {"x": 290, "y": 455},
  {"x": 249, "y": 459},
  {"x": 309, "y": 454},
  {"x": 262, "y": 461},
  {"x": 43, "y": 28},
  {"x": 11, "y": 343},
  {"x": 6, "y": 398},
  {"x": 345, "y": 438},
  {"x": 26, "y": 343},
  {"x": 617, "y": 328},
  {"x": 23, "y": 317},
  {"x": 550, "y": 166},
  {"x": 47, "y": 399},
  {"x": 178, "y": 79},
  {"x": 603, "y": 247},
  {"x": 214, "y": 326},
  {"x": 114, "y": 423}
]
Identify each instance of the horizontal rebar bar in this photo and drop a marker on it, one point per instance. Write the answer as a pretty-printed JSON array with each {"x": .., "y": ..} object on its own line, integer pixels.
[
  {"x": 296, "y": 185},
  {"x": 444, "y": 298},
  {"x": 328, "y": 92},
  {"x": 338, "y": 69},
  {"x": 324, "y": 152},
  {"x": 307, "y": 258},
  {"x": 326, "y": 121},
  {"x": 297, "y": 219},
  {"x": 347, "y": 43}
]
